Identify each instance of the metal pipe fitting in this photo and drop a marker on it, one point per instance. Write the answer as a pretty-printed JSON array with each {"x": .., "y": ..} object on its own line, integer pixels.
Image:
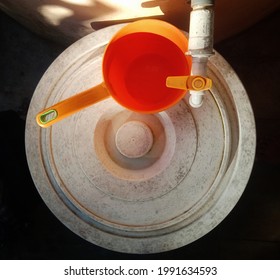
[{"x": 200, "y": 42}]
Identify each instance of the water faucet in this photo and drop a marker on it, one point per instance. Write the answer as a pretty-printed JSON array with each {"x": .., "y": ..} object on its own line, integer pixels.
[{"x": 201, "y": 32}]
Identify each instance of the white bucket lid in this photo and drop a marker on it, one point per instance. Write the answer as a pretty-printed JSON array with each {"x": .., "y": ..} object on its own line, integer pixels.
[{"x": 184, "y": 186}]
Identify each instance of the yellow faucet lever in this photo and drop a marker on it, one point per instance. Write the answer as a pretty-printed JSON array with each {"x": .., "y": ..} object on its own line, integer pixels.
[{"x": 197, "y": 83}]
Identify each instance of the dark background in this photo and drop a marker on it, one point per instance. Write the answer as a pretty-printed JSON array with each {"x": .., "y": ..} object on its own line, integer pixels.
[{"x": 28, "y": 230}]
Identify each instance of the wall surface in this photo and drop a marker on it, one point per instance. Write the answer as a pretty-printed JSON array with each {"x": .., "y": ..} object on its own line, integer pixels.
[{"x": 66, "y": 21}]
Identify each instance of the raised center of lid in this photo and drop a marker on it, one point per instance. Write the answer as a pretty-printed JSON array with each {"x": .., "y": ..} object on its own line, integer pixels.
[{"x": 134, "y": 139}]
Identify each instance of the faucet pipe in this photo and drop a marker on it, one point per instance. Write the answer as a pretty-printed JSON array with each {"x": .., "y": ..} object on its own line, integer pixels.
[{"x": 200, "y": 42}]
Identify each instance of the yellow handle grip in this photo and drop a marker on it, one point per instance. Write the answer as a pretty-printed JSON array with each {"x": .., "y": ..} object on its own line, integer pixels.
[
  {"x": 196, "y": 83},
  {"x": 72, "y": 105}
]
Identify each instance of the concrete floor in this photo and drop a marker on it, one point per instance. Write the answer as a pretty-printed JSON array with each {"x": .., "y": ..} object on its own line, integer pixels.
[{"x": 28, "y": 230}]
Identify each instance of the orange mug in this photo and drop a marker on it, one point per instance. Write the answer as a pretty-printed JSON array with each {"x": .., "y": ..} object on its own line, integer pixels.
[{"x": 143, "y": 67}]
